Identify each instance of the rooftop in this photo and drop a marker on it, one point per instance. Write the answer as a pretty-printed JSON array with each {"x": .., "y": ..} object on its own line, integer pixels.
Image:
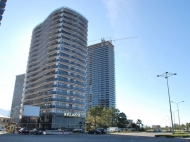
[{"x": 3, "y": 116}]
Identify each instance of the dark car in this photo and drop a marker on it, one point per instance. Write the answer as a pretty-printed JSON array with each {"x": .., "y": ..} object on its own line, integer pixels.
[
  {"x": 23, "y": 131},
  {"x": 36, "y": 131},
  {"x": 103, "y": 131},
  {"x": 78, "y": 131},
  {"x": 95, "y": 131}
]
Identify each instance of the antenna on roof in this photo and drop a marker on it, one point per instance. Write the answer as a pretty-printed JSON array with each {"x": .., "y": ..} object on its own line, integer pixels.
[{"x": 102, "y": 40}]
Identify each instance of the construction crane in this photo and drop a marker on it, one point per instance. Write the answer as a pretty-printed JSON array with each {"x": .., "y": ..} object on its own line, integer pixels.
[{"x": 114, "y": 39}]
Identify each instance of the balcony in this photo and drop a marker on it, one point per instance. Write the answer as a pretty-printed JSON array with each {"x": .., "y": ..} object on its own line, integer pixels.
[
  {"x": 4, "y": 1},
  {"x": 62, "y": 107},
  {"x": 2, "y": 4},
  {"x": 1, "y": 17},
  {"x": 1, "y": 11}
]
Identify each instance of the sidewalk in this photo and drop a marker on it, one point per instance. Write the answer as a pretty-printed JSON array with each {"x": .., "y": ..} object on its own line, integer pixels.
[{"x": 2, "y": 132}]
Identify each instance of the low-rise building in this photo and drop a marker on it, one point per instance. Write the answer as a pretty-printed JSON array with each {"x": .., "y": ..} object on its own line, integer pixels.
[
  {"x": 4, "y": 120},
  {"x": 130, "y": 121},
  {"x": 175, "y": 124},
  {"x": 156, "y": 128}
]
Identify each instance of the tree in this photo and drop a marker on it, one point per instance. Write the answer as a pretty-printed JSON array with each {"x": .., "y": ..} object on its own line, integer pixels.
[
  {"x": 133, "y": 125},
  {"x": 114, "y": 116},
  {"x": 183, "y": 126},
  {"x": 102, "y": 117},
  {"x": 104, "y": 121},
  {"x": 122, "y": 120},
  {"x": 139, "y": 122},
  {"x": 187, "y": 126},
  {"x": 94, "y": 113}
]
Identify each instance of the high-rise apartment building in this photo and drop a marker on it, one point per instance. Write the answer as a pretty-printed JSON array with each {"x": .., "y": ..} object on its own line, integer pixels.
[
  {"x": 101, "y": 75},
  {"x": 17, "y": 96},
  {"x": 2, "y": 8},
  {"x": 56, "y": 71}
]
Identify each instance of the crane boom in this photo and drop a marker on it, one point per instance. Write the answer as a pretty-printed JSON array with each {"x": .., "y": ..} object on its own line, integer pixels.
[
  {"x": 115, "y": 39},
  {"x": 124, "y": 38}
]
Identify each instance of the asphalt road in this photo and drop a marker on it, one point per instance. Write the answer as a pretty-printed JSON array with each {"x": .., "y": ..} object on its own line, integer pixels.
[{"x": 122, "y": 137}]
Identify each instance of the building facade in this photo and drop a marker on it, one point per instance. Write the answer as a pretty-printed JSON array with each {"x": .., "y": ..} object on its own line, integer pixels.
[
  {"x": 17, "y": 96},
  {"x": 101, "y": 75},
  {"x": 56, "y": 71},
  {"x": 4, "y": 120},
  {"x": 2, "y": 8}
]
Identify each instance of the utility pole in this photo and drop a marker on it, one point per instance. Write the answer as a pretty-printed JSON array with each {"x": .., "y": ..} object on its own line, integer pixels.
[{"x": 166, "y": 75}]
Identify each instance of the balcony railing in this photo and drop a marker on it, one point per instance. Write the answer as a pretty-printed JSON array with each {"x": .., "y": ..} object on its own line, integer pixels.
[
  {"x": 56, "y": 92},
  {"x": 41, "y": 100},
  {"x": 2, "y": 4},
  {"x": 4, "y": 1},
  {"x": 62, "y": 107},
  {"x": 1, "y": 11}
]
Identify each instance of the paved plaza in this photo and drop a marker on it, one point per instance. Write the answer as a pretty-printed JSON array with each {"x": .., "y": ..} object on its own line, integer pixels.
[{"x": 120, "y": 137}]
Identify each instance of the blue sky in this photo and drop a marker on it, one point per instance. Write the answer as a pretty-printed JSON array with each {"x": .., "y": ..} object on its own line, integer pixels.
[{"x": 163, "y": 44}]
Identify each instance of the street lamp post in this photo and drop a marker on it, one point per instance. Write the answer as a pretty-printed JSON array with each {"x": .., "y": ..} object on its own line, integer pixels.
[
  {"x": 166, "y": 75},
  {"x": 174, "y": 118},
  {"x": 178, "y": 111}
]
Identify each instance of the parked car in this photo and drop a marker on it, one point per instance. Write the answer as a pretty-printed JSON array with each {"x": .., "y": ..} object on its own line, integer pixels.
[
  {"x": 78, "y": 131},
  {"x": 2, "y": 129},
  {"x": 95, "y": 131},
  {"x": 36, "y": 131},
  {"x": 155, "y": 131},
  {"x": 23, "y": 131},
  {"x": 103, "y": 131},
  {"x": 159, "y": 130}
]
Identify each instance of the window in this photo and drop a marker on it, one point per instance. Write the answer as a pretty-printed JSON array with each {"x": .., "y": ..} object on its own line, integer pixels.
[{"x": 70, "y": 105}]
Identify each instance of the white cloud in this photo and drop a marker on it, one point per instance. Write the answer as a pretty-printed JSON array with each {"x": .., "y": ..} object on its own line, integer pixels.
[
  {"x": 123, "y": 17},
  {"x": 113, "y": 9},
  {"x": 120, "y": 11}
]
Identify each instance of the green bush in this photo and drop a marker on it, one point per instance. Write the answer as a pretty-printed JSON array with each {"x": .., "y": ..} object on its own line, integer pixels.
[
  {"x": 181, "y": 133},
  {"x": 173, "y": 135}
]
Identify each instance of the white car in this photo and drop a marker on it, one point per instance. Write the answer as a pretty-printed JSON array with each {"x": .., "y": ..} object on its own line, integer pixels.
[{"x": 2, "y": 129}]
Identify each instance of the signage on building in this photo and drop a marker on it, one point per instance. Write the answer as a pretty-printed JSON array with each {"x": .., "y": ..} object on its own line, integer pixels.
[{"x": 72, "y": 114}]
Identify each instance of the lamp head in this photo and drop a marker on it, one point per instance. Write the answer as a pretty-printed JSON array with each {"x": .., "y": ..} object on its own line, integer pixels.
[
  {"x": 175, "y": 73},
  {"x": 183, "y": 101},
  {"x": 158, "y": 75}
]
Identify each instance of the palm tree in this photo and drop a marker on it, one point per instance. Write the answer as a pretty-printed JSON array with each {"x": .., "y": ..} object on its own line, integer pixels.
[
  {"x": 183, "y": 126},
  {"x": 187, "y": 126},
  {"x": 139, "y": 122}
]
